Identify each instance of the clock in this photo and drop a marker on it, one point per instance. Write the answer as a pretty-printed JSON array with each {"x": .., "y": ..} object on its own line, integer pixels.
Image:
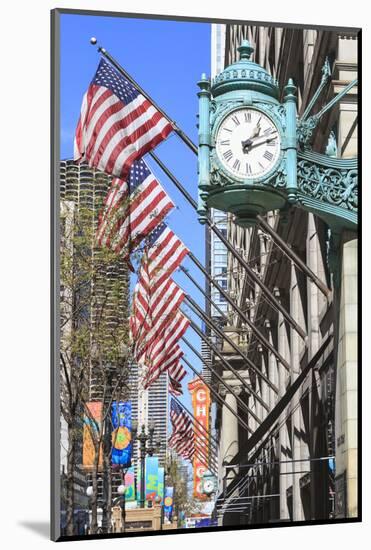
[
  {"x": 208, "y": 487},
  {"x": 248, "y": 143}
]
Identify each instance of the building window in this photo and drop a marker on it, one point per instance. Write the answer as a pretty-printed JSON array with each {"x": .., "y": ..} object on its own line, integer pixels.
[
  {"x": 220, "y": 271},
  {"x": 218, "y": 245},
  {"x": 220, "y": 258}
]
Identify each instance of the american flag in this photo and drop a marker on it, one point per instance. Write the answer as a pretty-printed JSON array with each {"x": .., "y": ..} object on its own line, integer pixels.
[
  {"x": 164, "y": 351},
  {"x": 117, "y": 124},
  {"x": 182, "y": 438},
  {"x": 176, "y": 374},
  {"x": 170, "y": 362},
  {"x": 175, "y": 388},
  {"x": 132, "y": 209},
  {"x": 153, "y": 309},
  {"x": 156, "y": 297},
  {"x": 165, "y": 254}
]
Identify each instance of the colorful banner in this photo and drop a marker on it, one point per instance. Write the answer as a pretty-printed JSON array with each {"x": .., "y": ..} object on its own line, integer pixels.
[
  {"x": 168, "y": 502},
  {"x": 130, "y": 485},
  {"x": 201, "y": 411},
  {"x": 160, "y": 483},
  {"x": 92, "y": 425},
  {"x": 121, "y": 436},
  {"x": 151, "y": 476}
]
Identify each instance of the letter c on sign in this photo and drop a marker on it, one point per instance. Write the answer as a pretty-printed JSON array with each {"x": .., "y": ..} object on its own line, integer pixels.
[{"x": 201, "y": 396}]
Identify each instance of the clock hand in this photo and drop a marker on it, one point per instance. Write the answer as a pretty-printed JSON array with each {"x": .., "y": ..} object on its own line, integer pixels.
[
  {"x": 246, "y": 144},
  {"x": 259, "y": 141},
  {"x": 255, "y": 131}
]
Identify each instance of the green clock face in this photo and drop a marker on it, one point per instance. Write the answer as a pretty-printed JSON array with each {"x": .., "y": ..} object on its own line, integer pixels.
[{"x": 248, "y": 143}]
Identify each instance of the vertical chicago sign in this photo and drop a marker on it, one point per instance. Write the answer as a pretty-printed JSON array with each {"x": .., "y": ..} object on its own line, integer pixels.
[{"x": 201, "y": 410}]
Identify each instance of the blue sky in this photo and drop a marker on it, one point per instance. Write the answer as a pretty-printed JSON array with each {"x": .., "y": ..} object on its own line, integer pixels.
[{"x": 167, "y": 59}]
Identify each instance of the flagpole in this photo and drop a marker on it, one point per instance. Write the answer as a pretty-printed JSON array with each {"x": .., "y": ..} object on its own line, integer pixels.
[
  {"x": 216, "y": 394},
  {"x": 202, "y": 452},
  {"x": 271, "y": 299},
  {"x": 213, "y": 443},
  {"x": 293, "y": 256},
  {"x": 194, "y": 148},
  {"x": 229, "y": 389},
  {"x": 197, "y": 421},
  {"x": 121, "y": 70},
  {"x": 211, "y": 302},
  {"x": 260, "y": 337},
  {"x": 196, "y": 309},
  {"x": 226, "y": 363}
]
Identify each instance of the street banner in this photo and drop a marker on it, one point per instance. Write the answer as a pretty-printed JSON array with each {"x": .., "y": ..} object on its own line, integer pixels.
[
  {"x": 151, "y": 477},
  {"x": 130, "y": 485},
  {"x": 168, "y": 502},
  {"x": 121, "y": 436},
  {"x": 201, "y": 411},
  {"x": 92, "y": 425},
  {"x": 160, "y": 483}
]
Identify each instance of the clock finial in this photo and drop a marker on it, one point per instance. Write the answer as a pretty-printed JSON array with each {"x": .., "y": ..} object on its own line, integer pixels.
[{"x": 245, "y": 49}]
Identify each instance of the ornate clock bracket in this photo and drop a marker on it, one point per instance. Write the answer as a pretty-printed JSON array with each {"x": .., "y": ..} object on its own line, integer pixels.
[{"x": 315, "y": 182}]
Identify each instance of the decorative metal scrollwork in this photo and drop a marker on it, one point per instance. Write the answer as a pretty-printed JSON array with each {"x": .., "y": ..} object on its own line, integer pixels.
[
  {"x": 305, "y": 130},
  {"x": 276, "y": 111},
  {"x": 217, "y": 177},
  {"x": 332, "y": 185}
]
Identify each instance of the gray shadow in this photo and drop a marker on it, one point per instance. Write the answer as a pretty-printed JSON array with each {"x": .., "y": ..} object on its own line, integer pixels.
[{"x": 42, "y": 528}]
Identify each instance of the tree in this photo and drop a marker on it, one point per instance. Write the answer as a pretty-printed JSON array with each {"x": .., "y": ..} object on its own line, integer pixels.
[
  {"x": 94, "y": 340},
  {"x": 178, "y": 477}
]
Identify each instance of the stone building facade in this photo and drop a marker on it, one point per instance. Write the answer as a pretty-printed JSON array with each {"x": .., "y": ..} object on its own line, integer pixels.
[{"x": 305, "y": 465}]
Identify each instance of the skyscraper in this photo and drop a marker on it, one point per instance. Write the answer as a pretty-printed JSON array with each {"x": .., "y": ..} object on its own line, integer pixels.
[
  {"x": 84, "y": 188},
  {"x": 150, "y": 405}
]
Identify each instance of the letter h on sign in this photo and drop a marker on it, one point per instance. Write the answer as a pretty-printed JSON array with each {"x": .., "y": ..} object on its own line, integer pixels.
[{"x": 201, "y": 410}]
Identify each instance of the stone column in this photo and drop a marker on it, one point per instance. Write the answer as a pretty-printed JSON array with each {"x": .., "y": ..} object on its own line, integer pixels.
[
  {"x": 299, "y": 449},
  {"x": 229, "y": 443},
  {"x": 262, "y": 383},
  {"x": 346, "y": 417},
  {"x": 285, "y": 478},
  {"x": 272, "y": 368},
  {"x": 316, "y": 302},
  {"x": 230, "y": 428},
  {"x": 229, "y": 433},
  {"x": 273, "y": 377}
]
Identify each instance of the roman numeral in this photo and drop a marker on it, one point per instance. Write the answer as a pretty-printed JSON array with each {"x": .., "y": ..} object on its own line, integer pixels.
[
  {"x": 261, "y": 166},
  {"x": 225, "y": 142},
  {"x": 271, "y": 143},
  {"x": 248, "y": 117},
  {"x": 248, "y": 169},
  {"x": 227, "y": 130},
  {"x": 268, "y": 155},
  {"x": 236, "y": 165},
  {"x": 267, "y": 131},
  {"x": 228, "y": 155},
  {"x": 235, "y": 120}
]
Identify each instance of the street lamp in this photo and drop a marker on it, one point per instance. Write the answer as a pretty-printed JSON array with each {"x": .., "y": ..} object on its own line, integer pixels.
[
  {"x": 89, "y": 494},
  {"x": 121, "y": 490},
  {"x": 145, "y": 449}
]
